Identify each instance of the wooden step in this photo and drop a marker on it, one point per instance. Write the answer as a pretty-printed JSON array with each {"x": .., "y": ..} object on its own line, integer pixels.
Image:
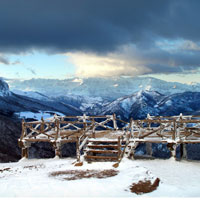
[
  {"x": 103, "y": 146},
  {"x": 101, "y": 157},
  {"x": 103, "y": 141},
  {"x": 101, "y": 151}
]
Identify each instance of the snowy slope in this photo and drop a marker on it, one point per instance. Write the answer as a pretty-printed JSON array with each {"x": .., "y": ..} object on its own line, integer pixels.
[
  {"x": 4, "y": 88},
  {"x": 142, "y": 101},
  {"x": 146, "y": 102},
  {"x": 187, "y": 102},
  {"x": 37, "y": 115},
  {"x": 84, "y": 103},
  {"x": 34, "y": 102},
  {"x": 30, "y": 178},
  {"x": 18, "y": 103},
  {"x": 32, "y": 94}
]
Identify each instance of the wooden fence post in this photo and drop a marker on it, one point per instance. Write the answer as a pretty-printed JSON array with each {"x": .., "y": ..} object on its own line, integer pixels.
[
  {"x": 93, "y": 128},
  {"x": 25, "y": 147},
  {"x": 42, "y": 125},
  {"x": 57, "y": 149},
  {"x": 131, "y": 125},
  {"x": 114, "y": 122},
  {"x": 23, "y": 129},
  {"x": 57, "y": 129},
  {"x": 119, "y": 148},
  {"x": 174, "y": 131},
  {"x": 24, "y": 152},
  {"x": 84, "y": 122},
  {"x": 78, "y": 154}
]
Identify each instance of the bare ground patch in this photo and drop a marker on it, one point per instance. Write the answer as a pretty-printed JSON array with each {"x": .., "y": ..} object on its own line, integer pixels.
[
  {"x": 34, "y": 166},
  {"x": 144, "y": 186},
  {"x": 80, "y": 174}
]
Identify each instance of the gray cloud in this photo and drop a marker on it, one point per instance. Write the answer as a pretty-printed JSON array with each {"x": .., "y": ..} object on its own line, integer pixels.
[
  {"x": 101, "y": 26},
  {"x": 4, "y": 60},
  {"x": 104, "y": 26}
]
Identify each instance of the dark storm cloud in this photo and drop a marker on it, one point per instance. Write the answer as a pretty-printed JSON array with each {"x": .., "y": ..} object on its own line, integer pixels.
[
  {"x": 94, "y": 25},
  {"x": 102, "y": 26}
]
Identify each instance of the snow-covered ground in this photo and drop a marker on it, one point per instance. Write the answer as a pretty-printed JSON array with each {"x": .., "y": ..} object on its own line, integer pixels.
[
  {"x": 38, "y": 115},
  {"x": 30, "y": 178}
]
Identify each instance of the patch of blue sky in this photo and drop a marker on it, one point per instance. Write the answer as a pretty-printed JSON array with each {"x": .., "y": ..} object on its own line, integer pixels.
[{"x": 38, "y": 65}]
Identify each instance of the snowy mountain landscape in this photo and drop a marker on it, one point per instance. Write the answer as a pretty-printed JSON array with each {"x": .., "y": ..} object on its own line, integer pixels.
[
  {"x": 99, "y": 99},
  {"x": 127, "y": 98},
  {"x": 24, "y": 101}
]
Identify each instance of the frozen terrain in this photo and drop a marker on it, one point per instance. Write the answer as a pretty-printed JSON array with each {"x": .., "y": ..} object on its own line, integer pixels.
[
  {"x": 31, "y": 178},
  {"x": 37, "y": 115}
]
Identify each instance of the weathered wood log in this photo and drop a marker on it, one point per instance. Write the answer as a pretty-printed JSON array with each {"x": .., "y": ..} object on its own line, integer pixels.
[
  {"x": 103, "y": 146},
  {"x": 101, "y": 157},
  {"x": 78, "y": 153},
  {"x": 114, "y": 122},
  {"x": 122, "y": 121},
  {"x": 83, "y": 143},
  {"x": 103, "y": 151},
  {"x": 24, "y": 152},
  {"x": 119, "y": 148},
  {"x": 151, "y": 132}
]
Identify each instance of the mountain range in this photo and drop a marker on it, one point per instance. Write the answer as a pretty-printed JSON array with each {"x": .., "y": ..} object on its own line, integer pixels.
[
  {"x": 126, "y": 96},
  {"x": 106, "y": 88},
  {"x": 154, "y": 97}
]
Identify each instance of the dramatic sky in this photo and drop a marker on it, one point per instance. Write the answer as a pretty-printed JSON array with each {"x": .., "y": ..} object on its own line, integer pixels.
[{"x": 89, "y": 38}]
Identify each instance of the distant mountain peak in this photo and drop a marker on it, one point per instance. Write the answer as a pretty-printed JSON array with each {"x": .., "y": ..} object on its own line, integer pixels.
[{"x": 4, "y": 88}]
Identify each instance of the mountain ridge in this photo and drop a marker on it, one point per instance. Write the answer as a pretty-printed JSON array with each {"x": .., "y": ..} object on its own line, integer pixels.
[{"x": 110, "y": 88}]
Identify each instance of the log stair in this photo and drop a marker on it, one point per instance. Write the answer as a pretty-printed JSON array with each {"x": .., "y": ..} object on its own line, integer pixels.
[{"x": 103, "y": 150}]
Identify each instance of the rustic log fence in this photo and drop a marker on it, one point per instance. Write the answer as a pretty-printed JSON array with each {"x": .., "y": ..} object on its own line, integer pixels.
[{"x": 59, "y": 130}]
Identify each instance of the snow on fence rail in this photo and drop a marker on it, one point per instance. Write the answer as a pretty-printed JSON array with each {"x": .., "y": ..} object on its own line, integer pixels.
[{"x": 59, "y": 130}]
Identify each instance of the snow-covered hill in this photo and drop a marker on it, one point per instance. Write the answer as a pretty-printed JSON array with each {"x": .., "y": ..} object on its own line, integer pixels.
[
  {"x": 187, "y": 103},
  {"x": 11, "y": 103},
  {"x": 125, "y": 106},
  {"x": 146, "y": 102},
  {"x": 32, "y": 94},
  {"x": 49, "y": 178},
  {"x": 4, "y": 88}
]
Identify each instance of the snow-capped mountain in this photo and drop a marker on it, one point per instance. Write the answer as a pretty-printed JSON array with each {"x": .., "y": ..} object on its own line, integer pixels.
[
  {"x": 4, "y": 88},
  {"x": 142, "y": 103},
  {"x": 83, "y": 103},
  {"x": 88, "y": 105},
  {"x": 187, "y": 102},
  {"x": 109, "y": 88},
  {"x": 11, "y": 103},
  {"x": 137, "y": 105}
]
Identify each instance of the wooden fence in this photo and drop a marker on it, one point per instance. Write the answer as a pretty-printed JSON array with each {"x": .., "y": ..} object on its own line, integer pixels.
[{"x": 59, "y": 130}]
